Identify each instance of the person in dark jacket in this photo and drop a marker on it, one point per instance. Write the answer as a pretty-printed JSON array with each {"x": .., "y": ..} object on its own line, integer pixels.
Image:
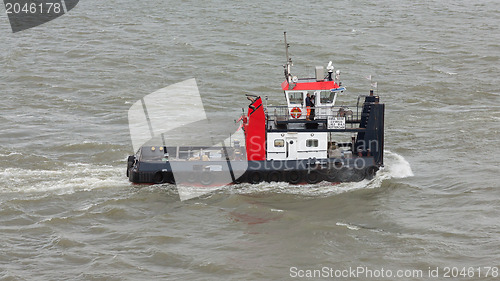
[
  {"x": 313, "y": 110},
  {"x": 309, "y": 104}
]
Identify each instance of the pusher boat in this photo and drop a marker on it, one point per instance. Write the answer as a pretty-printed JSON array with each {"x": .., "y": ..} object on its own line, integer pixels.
[{"x": 308, "y": 140}]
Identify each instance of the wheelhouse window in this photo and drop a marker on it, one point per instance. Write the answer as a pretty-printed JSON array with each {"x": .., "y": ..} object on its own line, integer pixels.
[
  {"x": 295, "y": 97},
  {"x": 279, "y": 143},
  {"x": 312, "y": 143},
  {"x": 326, "y": 97}
]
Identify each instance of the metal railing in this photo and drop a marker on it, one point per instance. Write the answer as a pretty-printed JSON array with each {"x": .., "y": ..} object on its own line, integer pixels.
[{"x": 287, "y": 113}]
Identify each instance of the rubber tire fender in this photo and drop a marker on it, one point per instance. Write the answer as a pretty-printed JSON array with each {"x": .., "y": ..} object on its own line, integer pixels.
[
  {"x": 192, "y": 177},
  {"x": 344, "y": 174},
  {"x": 274, "y": 176},
  {"x": 294, "y": 177},
  {"x": 331, "y": 174},
  {"x": 130, "y": 163},
  {"x": 313, "y": 177},
  {"x": 371, "y": 171},
  {"x": 158, "y": 177},
  {"x": 168, "y": 177},
  {"x": 255, "y": 177},
  {"x": 206, "y": 178},
  {"x": 358, "y": 175}
]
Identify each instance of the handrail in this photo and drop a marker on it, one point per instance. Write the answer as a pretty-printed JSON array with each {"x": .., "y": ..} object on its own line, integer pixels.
[{"x": 320, "y": 112}]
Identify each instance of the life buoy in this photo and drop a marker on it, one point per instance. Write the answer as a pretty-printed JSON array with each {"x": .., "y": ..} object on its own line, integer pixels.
[{"x": 295, "y": 112}]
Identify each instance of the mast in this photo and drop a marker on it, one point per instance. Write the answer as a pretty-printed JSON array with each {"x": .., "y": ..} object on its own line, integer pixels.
[{"x": 288, "y": 64}]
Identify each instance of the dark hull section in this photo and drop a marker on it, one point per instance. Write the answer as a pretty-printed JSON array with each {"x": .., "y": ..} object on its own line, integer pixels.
[{"x": 309, "y": 171}]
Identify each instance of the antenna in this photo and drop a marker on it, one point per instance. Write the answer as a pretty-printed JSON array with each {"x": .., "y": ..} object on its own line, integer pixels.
[
  {"x": 288, "y": 61},
  {"x": 286, "y": 48}
]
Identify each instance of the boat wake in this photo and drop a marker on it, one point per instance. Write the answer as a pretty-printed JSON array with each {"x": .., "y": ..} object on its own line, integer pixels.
[
  {"x": 70, "y": 178},
  {"x": 75, "y": 177},
  {"x": 396, "y": 167}
]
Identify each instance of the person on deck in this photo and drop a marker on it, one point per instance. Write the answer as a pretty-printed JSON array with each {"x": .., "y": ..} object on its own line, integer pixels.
[
  {"x": 309, "y": 104},
  {"x": 313, "y": 110}
]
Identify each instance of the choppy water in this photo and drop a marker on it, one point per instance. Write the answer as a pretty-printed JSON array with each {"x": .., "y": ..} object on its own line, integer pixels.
[{"x": 67, "y": 210}]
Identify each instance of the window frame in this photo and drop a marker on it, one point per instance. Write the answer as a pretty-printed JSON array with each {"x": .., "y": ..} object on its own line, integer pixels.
[
  {"x": 294, "y": 100},
  {"x": 276, "y": 143},
  {"x": 312, "y": 143}
]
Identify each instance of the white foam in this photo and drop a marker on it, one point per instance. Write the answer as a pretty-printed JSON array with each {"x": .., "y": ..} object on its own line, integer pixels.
[
  {"x": 396, "y": 166},
  {"x": 71, "y": 178},
  {"x": 10, "y": 154},
  {"x": 309, "y": 190},
  {"x": 82, "y": 176},
  {"x": 349, "y": 226}
]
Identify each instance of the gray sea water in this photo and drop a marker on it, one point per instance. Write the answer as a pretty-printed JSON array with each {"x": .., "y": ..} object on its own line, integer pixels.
[{"x": 67, "y": 211}]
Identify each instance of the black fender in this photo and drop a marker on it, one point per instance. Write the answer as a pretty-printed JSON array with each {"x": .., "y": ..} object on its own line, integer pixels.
[
  {"x": 294, "y": 176},
  {"x": 192, "y": 177},
  {"x": 274, "y": 176},
  {"x": 168, "y": 177},
  {"x": 313, "y": 177},
  {"x": 255, "y": 177},
  {"x": 331, "y": 174},
  {"x": 358, "y": 174},
  {"x": 371, "y": 171},
  {"x": 158, "y": 177},
  {"x": 130, "y": 163},
  {"x": 206, "y": 178}
]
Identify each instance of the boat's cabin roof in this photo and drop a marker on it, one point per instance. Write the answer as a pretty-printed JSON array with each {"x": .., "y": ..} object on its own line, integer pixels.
[{"x": 309, "y": 84}]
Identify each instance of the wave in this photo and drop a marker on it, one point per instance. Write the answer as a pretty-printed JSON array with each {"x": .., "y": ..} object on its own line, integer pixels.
[
  {"x": 70, "y": 178},
  {"x": 348, "y": 225}
]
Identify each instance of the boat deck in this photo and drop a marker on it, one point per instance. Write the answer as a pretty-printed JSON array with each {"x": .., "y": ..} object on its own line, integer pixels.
[{"x": 278, "y": 120}]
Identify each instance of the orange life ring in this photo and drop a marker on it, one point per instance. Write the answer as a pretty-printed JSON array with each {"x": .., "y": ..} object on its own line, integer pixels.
[{"x": 295, "y": 112}]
